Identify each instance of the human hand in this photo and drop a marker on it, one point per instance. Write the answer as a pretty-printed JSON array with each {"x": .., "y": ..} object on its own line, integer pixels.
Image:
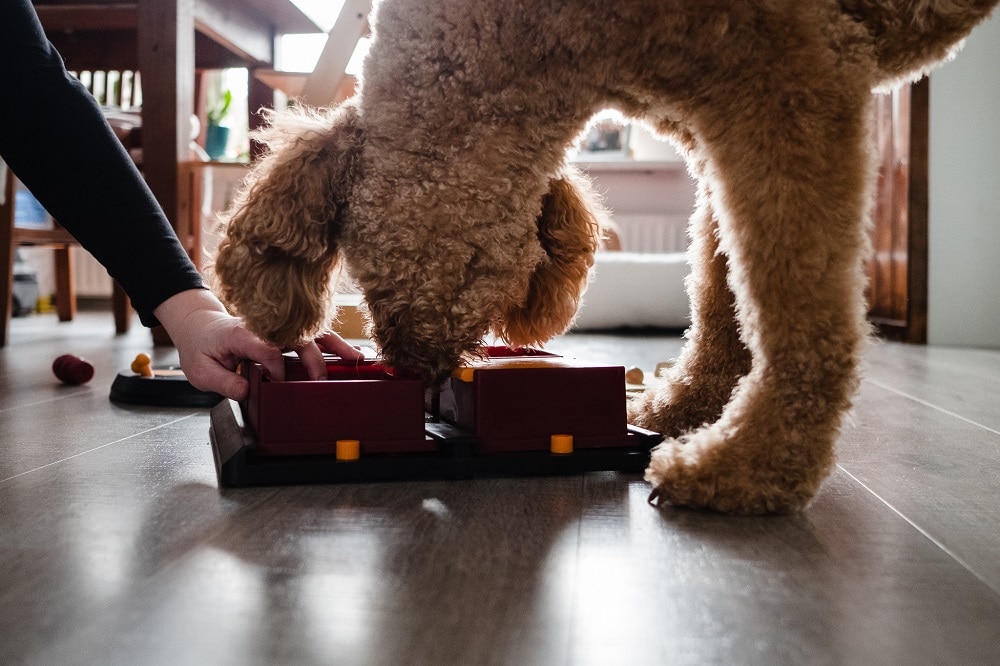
[{"x": 211, "y": 343}]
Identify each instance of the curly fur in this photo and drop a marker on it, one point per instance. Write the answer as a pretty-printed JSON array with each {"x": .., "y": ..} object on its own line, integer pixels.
[
  {"x": 444, "y": 188},
  {"x": 570, "y": 228},
  {"x": 275, "y": 265}
]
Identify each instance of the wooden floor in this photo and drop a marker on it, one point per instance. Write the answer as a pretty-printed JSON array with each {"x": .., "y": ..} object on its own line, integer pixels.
[{"x": 117, "y": 547}]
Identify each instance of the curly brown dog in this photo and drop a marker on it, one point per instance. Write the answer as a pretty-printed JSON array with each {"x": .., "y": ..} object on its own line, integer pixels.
[{"x": 444, "y": 186}]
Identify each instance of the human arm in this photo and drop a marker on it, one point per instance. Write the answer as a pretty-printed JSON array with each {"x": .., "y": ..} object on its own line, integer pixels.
[
  {"x": 58, "y": 142},
  {"x": 54, "y": 137}
]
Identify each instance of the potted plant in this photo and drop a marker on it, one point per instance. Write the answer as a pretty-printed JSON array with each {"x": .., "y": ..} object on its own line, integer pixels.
[{"x": 216, "y": 135}]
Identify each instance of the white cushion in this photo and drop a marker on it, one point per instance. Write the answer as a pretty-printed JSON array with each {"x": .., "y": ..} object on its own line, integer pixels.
[{"x": 636, "y": 290}]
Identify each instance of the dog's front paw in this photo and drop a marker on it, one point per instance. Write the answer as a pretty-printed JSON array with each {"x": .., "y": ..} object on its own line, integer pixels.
[{"x": 706, "y": 470}]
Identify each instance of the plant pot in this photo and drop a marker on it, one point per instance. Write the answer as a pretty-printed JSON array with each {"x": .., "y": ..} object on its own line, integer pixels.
[{"x": 216, "y": 138}]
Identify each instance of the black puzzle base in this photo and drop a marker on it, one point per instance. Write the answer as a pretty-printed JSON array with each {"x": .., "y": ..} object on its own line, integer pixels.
[
  {"x": 170, "y": 388},
  {"x": 237, "y": 464}
]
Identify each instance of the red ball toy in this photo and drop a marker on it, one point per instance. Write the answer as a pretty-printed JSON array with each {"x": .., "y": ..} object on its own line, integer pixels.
[{"x": 71, "y": 369}]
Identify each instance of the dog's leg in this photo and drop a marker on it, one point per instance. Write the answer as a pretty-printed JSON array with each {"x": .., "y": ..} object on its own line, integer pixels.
[
  {"x": 698, "y": 386},
  {"x": 790, "y": 191},
  {"x": 569, "y": 230},
  {"x": 277, "y": 261}
]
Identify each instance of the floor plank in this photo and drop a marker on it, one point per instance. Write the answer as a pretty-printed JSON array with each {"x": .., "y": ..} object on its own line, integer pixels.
[
  {"x": 964, "y": 382},
  {"x": 939, "y": 472}
]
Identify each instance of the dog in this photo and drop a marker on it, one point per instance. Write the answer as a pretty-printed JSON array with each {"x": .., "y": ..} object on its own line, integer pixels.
[{"x": 444, "y": 188}]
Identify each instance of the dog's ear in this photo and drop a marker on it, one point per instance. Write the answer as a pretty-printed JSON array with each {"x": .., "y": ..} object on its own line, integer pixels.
[
  {"x": 569, "y": 229},
  {"x": 275, "y": 264}
]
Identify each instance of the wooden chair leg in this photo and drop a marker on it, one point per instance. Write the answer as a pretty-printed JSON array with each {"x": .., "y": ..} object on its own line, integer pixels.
[
  {"x": 122, "y": 307},
  {"x": 65, "y": 284},
  {"x": 6, "y": 288},
  {"x": 6, "y": 252}
]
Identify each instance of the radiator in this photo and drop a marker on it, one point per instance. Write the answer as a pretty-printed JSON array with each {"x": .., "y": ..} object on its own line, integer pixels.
[
  {"x": 91, "y": 278},
  {"x": 652, "y": 233}
]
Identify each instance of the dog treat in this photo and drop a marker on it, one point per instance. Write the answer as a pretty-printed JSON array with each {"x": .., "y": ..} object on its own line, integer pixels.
[
  {"x": 634, "y": 375},
  {"x": 70, "y": 369},
  {"x": 141, "y": 365}
]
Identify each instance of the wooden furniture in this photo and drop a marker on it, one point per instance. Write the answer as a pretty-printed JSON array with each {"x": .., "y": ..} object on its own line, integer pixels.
[
  {"x": 60, "y": 240},
  {"x": 114, "y": 91},
  {"x": 168, "y": 41},
  {"x": 897, "y": 271},
  {"x": 200, "y": 206},
  {"x": 329, "y": 83}
]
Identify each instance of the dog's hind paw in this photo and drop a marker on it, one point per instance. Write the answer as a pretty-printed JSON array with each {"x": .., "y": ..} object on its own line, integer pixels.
[{"x": 673, "y": 408}]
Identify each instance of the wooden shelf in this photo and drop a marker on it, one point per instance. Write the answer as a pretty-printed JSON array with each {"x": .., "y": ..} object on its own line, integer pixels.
[{"x": 290, "y": 83}]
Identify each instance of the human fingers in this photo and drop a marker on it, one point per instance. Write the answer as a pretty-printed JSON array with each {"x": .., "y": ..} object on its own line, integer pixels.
[
  {"x": 312, "y": 360},
  {"x": 209, "y": 375},
  {"x": 334, "y": 344},
  {"x": 245, "y": 345}
]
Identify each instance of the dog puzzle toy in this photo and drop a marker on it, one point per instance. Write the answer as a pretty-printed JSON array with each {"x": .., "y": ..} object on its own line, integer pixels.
[{"x": 515, "y": 412}]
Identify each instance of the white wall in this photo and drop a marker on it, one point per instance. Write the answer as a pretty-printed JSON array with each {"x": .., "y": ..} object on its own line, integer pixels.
[{"x": 964, "y": 279}]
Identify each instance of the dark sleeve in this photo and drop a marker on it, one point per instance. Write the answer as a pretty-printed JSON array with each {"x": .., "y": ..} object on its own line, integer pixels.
[{"x": 54, "y": 136}]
